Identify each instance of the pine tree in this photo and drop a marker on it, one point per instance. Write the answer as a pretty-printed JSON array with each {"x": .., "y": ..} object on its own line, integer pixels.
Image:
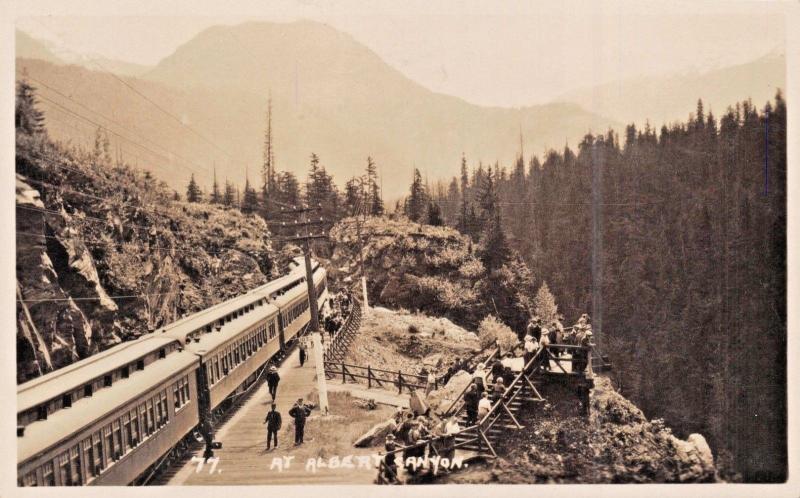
[
  {"x": 176, "y": 196},
  {"x": 417, "y": 201},
  {"x": 496, "y": 251},
  {"x": 216, "y": 196},
  {"x": 374, "y": 203},
  {"x": 250, "y": 199},
  {"x": 464, "y": 226},
  {"x": 434, "y": 214},
  {"x": 27, "y": 116},
  {"x": 229, "y": 197},
  {"x": 193, "y": 192},
  {"x": 544, "y": 304},
  {"x": 352, "y": 196}
]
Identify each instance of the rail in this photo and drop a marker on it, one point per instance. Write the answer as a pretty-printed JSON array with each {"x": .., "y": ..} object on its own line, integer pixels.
[
  {"x": 336, "y": 347},
  {"x": 460, "y": 396},
  {"x": 376, "y": 376}
]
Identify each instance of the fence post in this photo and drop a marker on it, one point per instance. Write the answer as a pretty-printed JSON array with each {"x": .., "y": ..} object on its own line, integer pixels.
[
  {"x": 369, "y": 377},
  {"x": 343, "y": 380},
  {"x": 400, "y": 381}
]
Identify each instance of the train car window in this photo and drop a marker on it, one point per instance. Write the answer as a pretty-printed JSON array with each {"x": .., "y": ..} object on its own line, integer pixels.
[
  {"x": 98, "y": 453},
  {"x": 109, "y": 443},
  {"x": 162, "y": 353},
  {"x": 164, "y": 406},
  {"x": 115, "y": 425},
  {"x": 216, "y": 368},
  {"x": 134, "y": 428},
  {"x": 88, "y": 456},
  {"x": 151, "y": 417},
  {"x": 48, "y": 478},
  {"x": 107, "y": 381},
  {"x": 186, "y": 389},
  {"x": 75, "y": 466},
  {"x": 87, "y": 390},
  {"x": 126, "y": 372},
  {"x": 127, "y": 438},
  {"x": 64, "y": 473},
  {"x": 41, "y": 412},
  {"x": 66, "y": 400},
  {"x": 29, "y": 479}
]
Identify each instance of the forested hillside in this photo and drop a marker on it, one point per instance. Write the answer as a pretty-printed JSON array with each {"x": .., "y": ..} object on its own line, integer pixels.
[{"x": 692, "y": 250}]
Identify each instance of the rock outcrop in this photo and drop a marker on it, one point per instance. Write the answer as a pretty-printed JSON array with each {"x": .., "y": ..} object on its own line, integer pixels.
[{"x": 104, "y": 254}]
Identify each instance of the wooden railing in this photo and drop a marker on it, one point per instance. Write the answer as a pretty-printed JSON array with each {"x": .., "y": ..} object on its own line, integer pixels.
[
  {"x": 460, "y": 396},
  {"x": 336, "y": 346},
  {"x": 478, "y": 432},
  {"x": 376, "y": 376}
]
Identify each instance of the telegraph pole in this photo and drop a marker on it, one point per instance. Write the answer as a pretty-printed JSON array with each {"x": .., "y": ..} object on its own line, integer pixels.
[{"x": 303, "y": 234}]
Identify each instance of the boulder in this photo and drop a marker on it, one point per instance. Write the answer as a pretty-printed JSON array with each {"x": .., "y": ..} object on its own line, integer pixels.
[
  {"x": 441, "y": 398},
  {"x": 376, "y": 435},
  {"x": 702, "y": 449}
]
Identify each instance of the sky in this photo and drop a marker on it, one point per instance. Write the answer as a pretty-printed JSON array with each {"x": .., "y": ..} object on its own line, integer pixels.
[{"x": 457, "y": 48}]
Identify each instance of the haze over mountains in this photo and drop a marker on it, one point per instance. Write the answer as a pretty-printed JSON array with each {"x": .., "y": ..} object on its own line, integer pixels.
[{"x": 333, "y": 96}]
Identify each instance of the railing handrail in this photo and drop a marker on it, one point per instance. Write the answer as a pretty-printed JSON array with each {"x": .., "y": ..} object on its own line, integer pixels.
[
  {"x": 461, "y": 394},
  {"x": 373, "y": 369}
]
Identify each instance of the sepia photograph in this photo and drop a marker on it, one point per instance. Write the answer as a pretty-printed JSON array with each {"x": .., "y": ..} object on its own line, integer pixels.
[{"x": 313, "y": 243}]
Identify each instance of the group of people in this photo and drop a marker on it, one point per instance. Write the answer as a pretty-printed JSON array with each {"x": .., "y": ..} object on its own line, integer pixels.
[
  {"x": 335, "y": 316},
  {"x": 299, "y": 412},
  {"x": 412, "y": 433}
]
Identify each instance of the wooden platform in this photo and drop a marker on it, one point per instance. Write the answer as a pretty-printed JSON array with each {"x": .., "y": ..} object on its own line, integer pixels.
[{"x": 244, "y": 458}]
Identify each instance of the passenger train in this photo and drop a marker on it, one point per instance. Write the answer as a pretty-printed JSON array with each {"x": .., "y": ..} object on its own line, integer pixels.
[{"x": 110, "y": 418}]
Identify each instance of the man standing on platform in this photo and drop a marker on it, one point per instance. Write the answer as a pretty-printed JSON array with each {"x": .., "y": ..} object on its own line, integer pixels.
[
  {"x": 302, "y": 352},
  {"x": 273, "y": 421},
  {"x": 299, "y": 413},
  {"x": 272, "y": 381}
]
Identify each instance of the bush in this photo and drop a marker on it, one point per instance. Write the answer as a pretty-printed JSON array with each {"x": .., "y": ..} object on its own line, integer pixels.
[{"x": 492, "y": 329}]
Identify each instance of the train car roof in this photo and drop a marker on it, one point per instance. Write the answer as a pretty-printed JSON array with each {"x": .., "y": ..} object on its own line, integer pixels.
[
  {"x": 211, "y": 340},
  {"x": 54, "y": 384},
  {"x": 190, "y": 323},
  {"x": 43, "y": 434}
]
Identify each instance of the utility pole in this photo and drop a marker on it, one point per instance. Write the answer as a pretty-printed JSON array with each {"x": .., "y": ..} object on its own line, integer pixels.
[{"x": 304, "y": 235}]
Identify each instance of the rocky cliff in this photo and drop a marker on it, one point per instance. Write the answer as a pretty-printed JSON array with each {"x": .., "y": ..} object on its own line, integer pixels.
[
  {"x": 431, "y": 269},
  {"x": 105, "y": 254},
  {"x": 615, "y": 444}
]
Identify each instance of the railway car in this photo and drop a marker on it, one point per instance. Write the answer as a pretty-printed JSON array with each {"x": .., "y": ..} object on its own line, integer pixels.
[
  {"x": 106, "y": 420},
  {"x": 110, "y": 419}
]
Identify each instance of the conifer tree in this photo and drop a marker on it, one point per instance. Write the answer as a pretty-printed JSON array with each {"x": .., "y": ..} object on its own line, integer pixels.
[
  {"x": 229, "y": 197},
  {"x": 193, "y": 192},
  {"x": 375, "y": 203},
  {"x": 434, "y": 214},
  {"x": 417, "y": 201},
  {"x": 250, "y": 199},
  {"x": 216, "y": 195},
  {"x": 27, "y": 116}
]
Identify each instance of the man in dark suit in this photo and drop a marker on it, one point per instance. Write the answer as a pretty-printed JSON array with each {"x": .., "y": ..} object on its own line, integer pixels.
[{"x": 273, "y": 421}]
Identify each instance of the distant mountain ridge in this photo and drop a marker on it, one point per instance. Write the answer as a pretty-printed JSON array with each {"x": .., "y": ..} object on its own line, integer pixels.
[
  {"x": 331, "y": 95},
  {"x": 667, "y": 99}
]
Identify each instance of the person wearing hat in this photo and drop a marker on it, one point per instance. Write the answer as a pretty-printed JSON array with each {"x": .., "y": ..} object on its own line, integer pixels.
[
  {"x": 471, "y": 398},
  {"x": 581, "y": 356},
  {"x": 273, "y": 421},
  {"x": 299, "y": 413},
  {"x": 272, "y": 381},
  {"x": 389, "y": 463},
  {"x": 302, "y": 352},
  {"x": 479, "y": 378},
  {"x": 531, "y": 346}
]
